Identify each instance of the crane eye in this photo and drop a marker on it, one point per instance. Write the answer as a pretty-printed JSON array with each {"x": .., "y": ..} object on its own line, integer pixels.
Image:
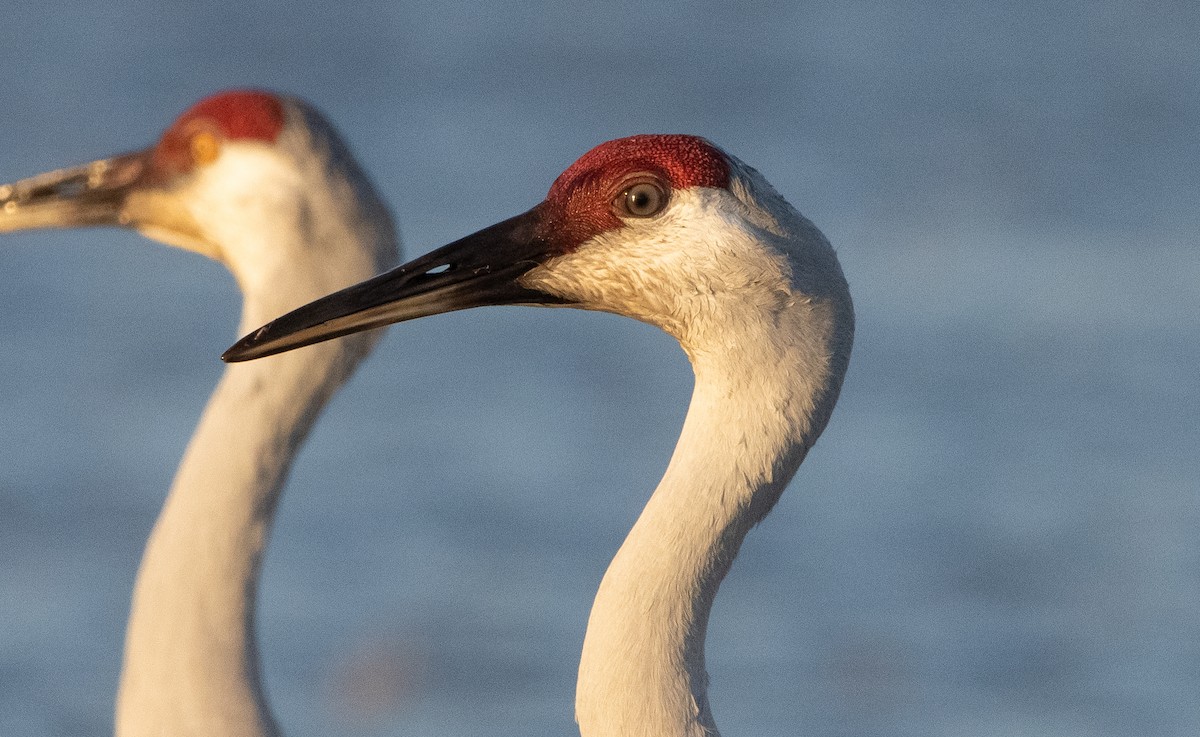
[
  {"x": 641, "y": 200},
  {"x": 205, "y": 147}
]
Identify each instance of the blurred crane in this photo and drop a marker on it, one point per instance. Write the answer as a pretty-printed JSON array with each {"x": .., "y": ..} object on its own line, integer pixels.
[{"x": 263, "y": 184}]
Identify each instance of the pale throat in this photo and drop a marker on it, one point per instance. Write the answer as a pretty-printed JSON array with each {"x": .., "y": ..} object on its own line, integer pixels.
[{"x": 754, "y": 413}]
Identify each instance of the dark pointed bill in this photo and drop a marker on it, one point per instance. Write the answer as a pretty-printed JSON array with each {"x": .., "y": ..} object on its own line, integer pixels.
[
  {"x": 92, "y": 194},
  {"x": 479, "y": 270}
]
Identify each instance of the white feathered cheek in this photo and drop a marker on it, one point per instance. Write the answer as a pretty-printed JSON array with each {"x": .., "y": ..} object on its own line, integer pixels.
[
  {"x": 249, "y": 190},
  {"x": 661, "y": 270}
]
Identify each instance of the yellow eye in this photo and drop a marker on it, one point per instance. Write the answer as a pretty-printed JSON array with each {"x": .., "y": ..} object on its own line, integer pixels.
[
  {"x": 206, "y": 147},
  {"x": 641, "y": 200}
]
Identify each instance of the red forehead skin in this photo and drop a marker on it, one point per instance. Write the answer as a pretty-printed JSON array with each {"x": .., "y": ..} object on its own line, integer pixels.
[
  {"x": 686, "y": 161},
  {"x": 236, "y": 114},
  {"x": 579, "y": 204}
]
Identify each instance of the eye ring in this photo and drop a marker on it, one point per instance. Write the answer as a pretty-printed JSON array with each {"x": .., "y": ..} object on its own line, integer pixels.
[
  {"x": 642, "y": 198},
  {"x": 205, "y": 147}
]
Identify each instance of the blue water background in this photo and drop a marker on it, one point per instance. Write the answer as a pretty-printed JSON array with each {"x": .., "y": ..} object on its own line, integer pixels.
[{"x": 999, "y": 533}]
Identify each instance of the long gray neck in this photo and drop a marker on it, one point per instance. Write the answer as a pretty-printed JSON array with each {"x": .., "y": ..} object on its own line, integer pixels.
[
  {"x": 763, "y": 393},
  {"x": 191, "y": 664}
]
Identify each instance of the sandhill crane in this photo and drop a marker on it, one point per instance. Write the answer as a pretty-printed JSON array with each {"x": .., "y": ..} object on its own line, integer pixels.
[
  {"x": 672, "y": 231},
  {"x": 263, "y": 184}
]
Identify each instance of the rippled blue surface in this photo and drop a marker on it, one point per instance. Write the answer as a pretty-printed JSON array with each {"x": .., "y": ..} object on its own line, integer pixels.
[{"x": 996, "y": 536}]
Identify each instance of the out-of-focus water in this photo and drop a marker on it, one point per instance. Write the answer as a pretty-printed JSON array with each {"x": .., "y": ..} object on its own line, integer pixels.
[{"x": 996, "y": 536}]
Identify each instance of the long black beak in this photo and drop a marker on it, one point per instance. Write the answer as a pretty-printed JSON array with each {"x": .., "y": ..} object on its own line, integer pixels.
[
  {"x": 92, "y": 194},
  {"x": 482, "y": 269}
]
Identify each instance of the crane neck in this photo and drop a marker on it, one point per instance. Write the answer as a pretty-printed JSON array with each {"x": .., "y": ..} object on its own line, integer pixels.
[
  {"x": 191, "y": 663},
  {"x": 764, "y": 391}
]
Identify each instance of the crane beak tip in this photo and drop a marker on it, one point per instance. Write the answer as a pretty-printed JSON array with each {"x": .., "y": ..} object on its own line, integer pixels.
[
  {"x": 244, "y": 349},
  {"x": 233, "y": 355}
]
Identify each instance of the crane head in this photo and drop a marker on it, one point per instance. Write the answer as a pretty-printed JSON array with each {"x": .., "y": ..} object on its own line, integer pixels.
[
  {"x": 662, "y": 228},
  {"x": 229, "y": 178}
]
